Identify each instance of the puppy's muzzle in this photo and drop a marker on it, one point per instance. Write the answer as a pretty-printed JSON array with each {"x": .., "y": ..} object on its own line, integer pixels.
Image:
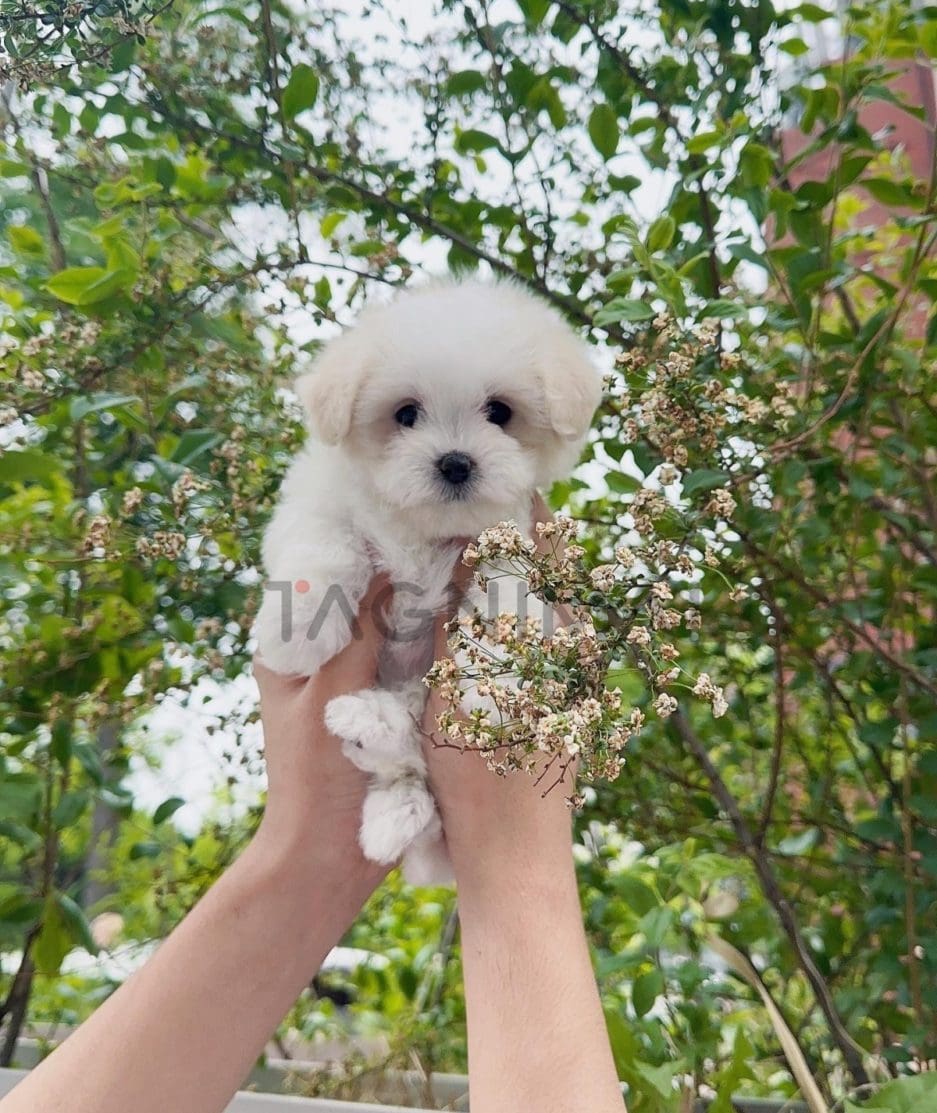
[{"x": 456, "y": 468}]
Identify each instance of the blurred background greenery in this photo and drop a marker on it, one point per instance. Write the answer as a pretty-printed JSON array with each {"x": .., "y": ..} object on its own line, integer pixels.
[{"x": 193, "y": 194}]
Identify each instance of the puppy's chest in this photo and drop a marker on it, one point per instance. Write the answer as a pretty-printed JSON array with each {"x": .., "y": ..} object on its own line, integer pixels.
[{"x": 421, "y": 590}]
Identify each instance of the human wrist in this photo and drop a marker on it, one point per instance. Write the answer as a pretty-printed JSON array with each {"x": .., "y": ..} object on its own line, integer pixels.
[
  {"x": 305, "y": 859},
  {"x": 502, "y": 876}
]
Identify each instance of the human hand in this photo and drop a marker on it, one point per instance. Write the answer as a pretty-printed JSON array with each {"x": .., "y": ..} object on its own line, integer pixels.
[
  {"x": 315, "y": 795},
  {"x": 488, "y": 818}
]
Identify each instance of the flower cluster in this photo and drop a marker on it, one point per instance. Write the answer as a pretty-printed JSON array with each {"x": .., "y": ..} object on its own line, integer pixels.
[
  {"x": 97, "y": 536},
  {"x": 705, "y": 689},
  {"x": 533, "y": 693},
  {"x": 184, "y": 488},
  {"x": 532, "y": 700},
  {"x": 684, "y": 415},
  {"x": 163, "y": 543}
]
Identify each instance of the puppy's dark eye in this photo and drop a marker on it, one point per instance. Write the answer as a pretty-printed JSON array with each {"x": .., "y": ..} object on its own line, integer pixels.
[
  {"x": 407, "y": 415},
  {"x": 497, "y": 412}
]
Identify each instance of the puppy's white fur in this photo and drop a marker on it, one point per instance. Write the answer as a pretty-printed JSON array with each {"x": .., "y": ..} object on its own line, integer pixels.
[{"x": 367, "y": 494}]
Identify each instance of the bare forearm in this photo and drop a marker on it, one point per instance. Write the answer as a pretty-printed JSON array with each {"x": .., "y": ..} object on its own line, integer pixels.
[
  {"x": 183, "y": 1032},
  {"x": 537, "y": 1036}
]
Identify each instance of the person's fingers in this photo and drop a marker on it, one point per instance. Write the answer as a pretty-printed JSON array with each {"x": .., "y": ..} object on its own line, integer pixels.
[
  {"x": 274, "y": 685},
  {"x": 461, "y": 578},
  {"x": 542, "y": 512}
]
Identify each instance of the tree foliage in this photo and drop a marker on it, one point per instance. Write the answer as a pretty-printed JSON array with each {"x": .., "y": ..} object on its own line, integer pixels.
[{"x": 174, "y": 204}]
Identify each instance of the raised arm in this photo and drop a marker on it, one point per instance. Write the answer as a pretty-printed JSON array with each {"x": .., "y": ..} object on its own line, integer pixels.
[
  {"x": 537, "y": 1040},
  {"x": 184, "y": 1031}
]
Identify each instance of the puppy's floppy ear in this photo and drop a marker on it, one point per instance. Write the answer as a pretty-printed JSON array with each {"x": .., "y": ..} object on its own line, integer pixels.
[
  {"x": 330, "y": 389},
  {"x": 572, "y": 386}
]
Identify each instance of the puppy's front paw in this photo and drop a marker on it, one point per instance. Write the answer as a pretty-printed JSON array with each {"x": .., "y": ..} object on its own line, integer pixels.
[
  {"x": 297, "y": 635},
  {"x": 378, "y": 731},
  {"x": 393, "y": 816}
]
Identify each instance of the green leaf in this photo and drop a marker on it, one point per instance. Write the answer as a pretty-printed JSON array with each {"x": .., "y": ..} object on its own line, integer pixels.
[
  {"x": 26, "y": 240},
  {"x": 87, "y": 285},
  {"x": 18, "y": 907},
  {"x": 622, "y": 1039},
  {"x": 622, "y": 484},
  {"x": 702, "y": 142},
  {"x": 465, "y": 82},
  {"x": 61, "y": 741},
  {"x": 660, "y": 1078},
  {"x": 145, "y": 850},
  {"x": 636, "y": 894},
  {"x": 624, "y": 309},
  {"x": 69, "y": 809},
  {"x": 655, "y": 925},
  {"x": 756, "y": 165},
  {"x": 301, "y": 90},
  {"x": 25, "y": 465},
  {"x": 89, "y": 759},
  {"x": 735, "y": 1071},
  {"x": 93, "y": 403},
  {"x": 811, "y": 13},
  {"x": 543, "y": 95},
  {"x": 889, "y": 192},
  {"x": 167, "y": 809},
  {"x": 604, "y": 130},
  {"x": 624, "y": 183},
  {"x": 534, "y": 10},
  {"x": 330, "y": 222},
  {"x": 912, "y": 1094},
  {"x": 704, "y": 479},
  {"x": 54, "y": 940},
  {"x": 471, "y": 139},
  {"x": 661, "y": 233},
  {"x": 22, "y": 835},
  {"x": 195, "y": 443},
  {"x": 19, "y": 798},
  {"x": 122, "y": 54},
  {"x": 77, "y": 923},
  {"x": 645, "y": 991},
  {"x": 723, "y": 307},
  {"x": 10, "y": 168}
]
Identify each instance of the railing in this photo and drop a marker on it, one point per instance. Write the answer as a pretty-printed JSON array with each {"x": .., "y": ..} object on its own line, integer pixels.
[{"x": 281, "y": 1103}]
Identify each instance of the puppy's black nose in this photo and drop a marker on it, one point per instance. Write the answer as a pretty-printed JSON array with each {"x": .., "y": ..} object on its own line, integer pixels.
[{"x": 456, "y": 467}]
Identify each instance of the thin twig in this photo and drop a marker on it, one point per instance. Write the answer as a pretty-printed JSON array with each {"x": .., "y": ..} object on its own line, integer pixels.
[{"x": 851, "y": 1052}]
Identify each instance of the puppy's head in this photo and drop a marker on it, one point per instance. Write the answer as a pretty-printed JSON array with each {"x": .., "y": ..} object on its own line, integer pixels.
[{"x": 456, "y": 401}]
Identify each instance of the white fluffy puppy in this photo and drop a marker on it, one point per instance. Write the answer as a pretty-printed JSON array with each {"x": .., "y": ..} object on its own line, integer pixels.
[{"x": 437, "y": 416}]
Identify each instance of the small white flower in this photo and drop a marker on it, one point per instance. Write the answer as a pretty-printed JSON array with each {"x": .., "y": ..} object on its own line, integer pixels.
[
  {"x": 625, "y": 556},
  {"x": 603, "y": 577},
  {"x": 132, "y": 500},
  {"x": 721, "y": 503},
  {"x": 665, "y": 705}
]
